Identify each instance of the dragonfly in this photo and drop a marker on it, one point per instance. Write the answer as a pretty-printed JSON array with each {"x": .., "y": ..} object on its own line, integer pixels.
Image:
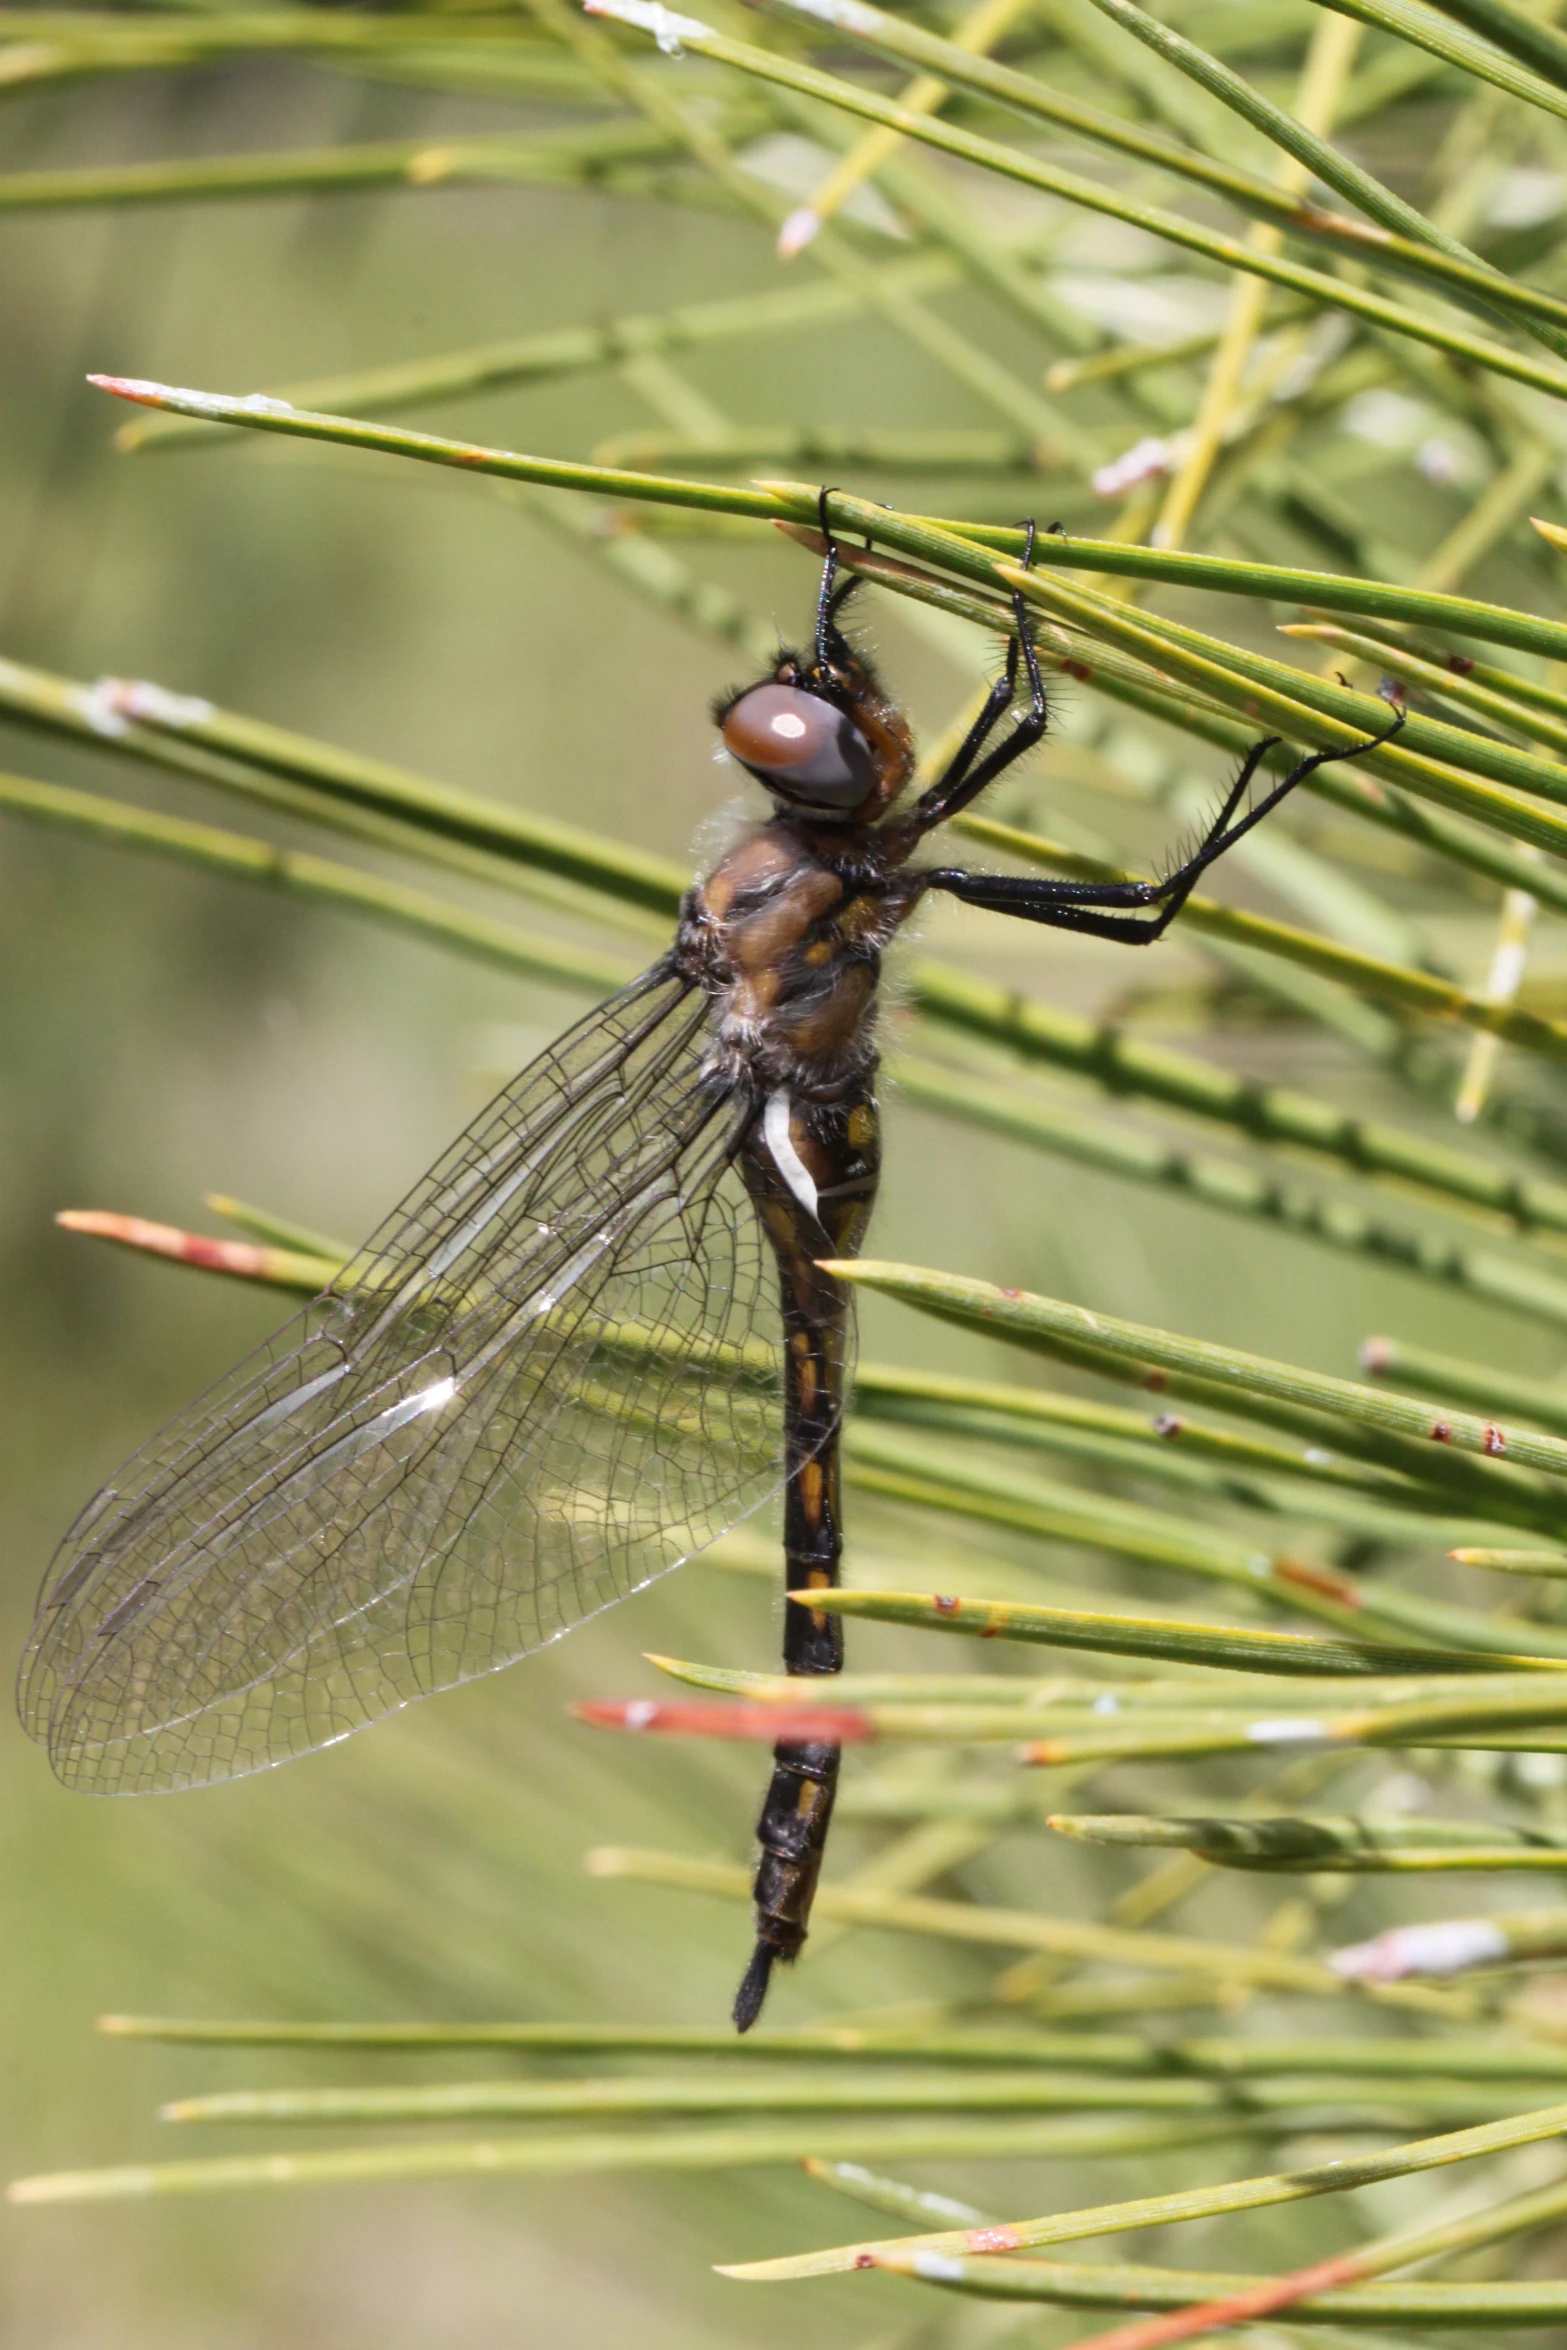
[{"x": 599, "y": 1332}]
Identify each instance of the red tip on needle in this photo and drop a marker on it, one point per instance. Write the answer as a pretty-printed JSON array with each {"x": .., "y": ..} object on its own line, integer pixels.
[
  {"x": 806, "y": 1725},
  {"x": 129, "y": 387},
  {"x": 166, "y": 1240}
]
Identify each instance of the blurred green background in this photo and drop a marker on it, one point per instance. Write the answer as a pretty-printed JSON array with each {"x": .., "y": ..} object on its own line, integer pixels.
[{"x": 163, "y": 1035}]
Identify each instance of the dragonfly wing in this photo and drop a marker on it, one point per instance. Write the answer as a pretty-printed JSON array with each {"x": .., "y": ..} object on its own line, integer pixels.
[{"x": 549, "y": 1376}]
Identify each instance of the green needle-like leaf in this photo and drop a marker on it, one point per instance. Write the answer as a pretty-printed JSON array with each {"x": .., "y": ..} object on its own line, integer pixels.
[
  {"x": 1240, "y": 1648},
  {"x": 1397, "y": 244},
  {"x": 1529, "y": 38},
  {"x": 1410, "y": 991},
  {"x": 1000, "y": 1928},
  {"x": 717, "y": 2149},
  {"x": 796, "y": 2089},
  {"x": 1110, "y": 2288},
  {"x": 1231, "y": 1188},
  {"x": 1515, "y": 1562},
  {"x": 937, "y": 1479},
  {"x": 963, "y": 546},
  {"x": 1024, "y": 1320},
  {"x": 413, "y": 165},
  {"x": 1069, "y": 187},
  {"x": 892, "y": 2036},
  {"x": 368, "y": 799},
  {"x": 317, "y": 880},
  {"x": 1136, "y": 1067},
  {"x": 956, "y": 546},
  {"x": 1166, "y": 2210},
  {"x": 563, "y": 352},
  {"x": 1325, "y": 161},
  {"x": 1469, "y": 1383},
  {"x": 1423, "y": 1844}
]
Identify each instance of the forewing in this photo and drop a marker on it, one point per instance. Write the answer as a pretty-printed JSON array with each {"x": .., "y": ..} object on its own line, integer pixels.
[{"x": 549, "y": 1376}]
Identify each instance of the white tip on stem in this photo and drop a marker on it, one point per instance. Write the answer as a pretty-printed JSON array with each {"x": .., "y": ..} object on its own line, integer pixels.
[
  {"x": 1446, "y": 1947},
  {"x": 668, "y": 28},
  {"x": 798, "y": 231}
]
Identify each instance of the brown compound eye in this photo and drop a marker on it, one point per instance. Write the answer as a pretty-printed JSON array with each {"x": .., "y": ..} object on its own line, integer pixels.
[{"x": 800, "y": 746}]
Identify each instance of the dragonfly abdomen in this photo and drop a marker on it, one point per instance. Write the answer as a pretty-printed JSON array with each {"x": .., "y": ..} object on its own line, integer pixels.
[{"x": 811, "y": 1166}]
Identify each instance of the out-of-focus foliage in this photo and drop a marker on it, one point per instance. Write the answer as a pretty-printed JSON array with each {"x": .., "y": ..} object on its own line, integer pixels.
[{"x": 1250, "y": 283}]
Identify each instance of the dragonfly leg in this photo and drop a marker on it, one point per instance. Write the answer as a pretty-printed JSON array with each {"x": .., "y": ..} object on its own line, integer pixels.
[
  {"x": 1116, "y": 909},
  {"x": 968, "y": 773},
  {"x": 831, "y": 596}
]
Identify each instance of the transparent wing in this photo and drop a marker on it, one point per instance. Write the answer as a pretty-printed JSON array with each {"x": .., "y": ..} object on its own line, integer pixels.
[{"x": 549, "y": 1376}]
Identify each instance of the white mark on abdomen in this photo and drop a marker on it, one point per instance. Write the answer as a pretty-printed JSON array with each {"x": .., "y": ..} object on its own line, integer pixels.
[{"x": 790, "y": 1165}]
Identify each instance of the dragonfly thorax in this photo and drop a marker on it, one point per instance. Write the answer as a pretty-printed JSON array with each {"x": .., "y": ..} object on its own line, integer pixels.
[{"x": 786, "y": 935}]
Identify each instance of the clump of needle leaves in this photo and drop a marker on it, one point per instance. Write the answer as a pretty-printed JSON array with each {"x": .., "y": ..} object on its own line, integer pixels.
[{"x": 1264, "y": 302}]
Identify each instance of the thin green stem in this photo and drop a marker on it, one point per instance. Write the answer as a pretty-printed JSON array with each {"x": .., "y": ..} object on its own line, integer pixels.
[
  {"x": 987, "y": 1409},
  {"x": 1261, "y": 1194},
  {"x": 414, "y": 165},
  {"x": 1363, "y": 1846},
  {"x": 578, "y": 2155},
  {"x": 1021, "y": 1320},
  {"x": 960, "y": 546},
  {"x": 1367, "y": 975},
  {"x": 1531, "y": 39},
  {"x": 1552, "y": 1563},
  {"x": 1135, "y": 684},
  {"x": 1404, "y": 241},
  {"x": 183, "y": 732},
  {"x": 1325, "y": 161},
  {"x": 1422, "y": 742},
  {"x": 319, "y": 782},
  {"x": 277, "y": 1231},
  {"x": 1299, "y": 2299},
  {"x": 1309, "y": 711},
  {"x": 1134, "y": 1067},
  {"x": 1444, "y": 683},
  {"x": 564, "y": 352},
  {"x": 838, "y": 2091},
  {"x": 893, "y": 2037},
  {"x": 317, "y": 880},
  {"x": 933, "y": 1480},
  {"x": 1236, "y": 1647},
  {"x": 1190, "y": 2203},
  {"x": 1488, "y": 1390},
  {"x": 1425, "y": 29},
  {"x": 1071, "y": 188}
]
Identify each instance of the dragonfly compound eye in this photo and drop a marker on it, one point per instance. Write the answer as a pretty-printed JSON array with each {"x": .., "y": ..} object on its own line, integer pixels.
[{"x": 801, "y": 746}]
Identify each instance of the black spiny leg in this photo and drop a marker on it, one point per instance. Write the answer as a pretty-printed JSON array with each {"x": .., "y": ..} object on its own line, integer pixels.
[
  {"x": 831, "y": 650},
  {"x": 827, "y": 602},
  {"x": 1109, "y": 909},
  {"x": 968, "y": 774}
]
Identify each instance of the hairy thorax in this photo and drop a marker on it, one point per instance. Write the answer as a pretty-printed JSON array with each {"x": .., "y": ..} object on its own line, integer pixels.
[{"x": 786, "y": 935}]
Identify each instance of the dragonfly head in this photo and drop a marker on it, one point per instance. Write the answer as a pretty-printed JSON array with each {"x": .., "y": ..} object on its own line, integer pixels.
[
  {"x": 820, "y": 736},
  {"x": 806, "y": 749}
]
